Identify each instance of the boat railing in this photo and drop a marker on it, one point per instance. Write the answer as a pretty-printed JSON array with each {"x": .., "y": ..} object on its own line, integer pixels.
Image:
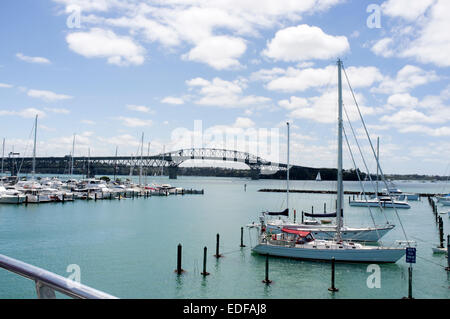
[{"x": 47, "y": 282}]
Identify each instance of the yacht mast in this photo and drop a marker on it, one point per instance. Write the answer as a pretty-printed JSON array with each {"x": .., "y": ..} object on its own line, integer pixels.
[
  {"x": 115, "y": 165},
  {"x": 340, "y": 184},
  {"x": 378, "y": 158},
  {"x": 287, "y": 169},
  {"x": 142, "y": 159},
  {"x": 33, "y": 171},
  {"x": 73, "y": 153},
  {"x": 3, "y": 154}
]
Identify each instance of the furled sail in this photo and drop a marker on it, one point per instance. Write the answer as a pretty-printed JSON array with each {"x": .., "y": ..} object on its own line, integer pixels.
[
  {"x": 321, "y": 215},
  {"x": 283, "y": 213}
]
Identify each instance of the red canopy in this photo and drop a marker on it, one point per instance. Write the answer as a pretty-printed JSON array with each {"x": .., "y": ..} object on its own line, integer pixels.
[{"x": 296, "y": 232}]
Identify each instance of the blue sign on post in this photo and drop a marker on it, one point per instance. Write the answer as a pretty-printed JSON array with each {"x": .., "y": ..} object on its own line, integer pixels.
[{"x": 411, "y": 255}]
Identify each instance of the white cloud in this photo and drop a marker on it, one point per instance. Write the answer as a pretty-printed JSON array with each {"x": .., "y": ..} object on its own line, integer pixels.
[
  {"x": 224, "y": 93},
  {"x": 134, "y": 122},
  {"x": 382, "y": 47},
  {"x": 214, "y": 30},
  {"x": 48, "y": 96},
  {"x": 305, "y": 42},
  {"x": 172, "y": 100},
  {"x": 99, "y": 43},
  {"x": 5, "y": 85},
  {"x": 88, "y": 122},
  {"x": 403, "y": 100},
  {"x": 292, "y": 79},
  {"x": 219, "y": 52},
  {"x": 31, "y": 59},
  {"x": 139, "y": 108},
  {"x": 406, "y": 79},
  {"x": 323, "y": 108},
  {"x": 406, "y": 9},
  {"x": 25, "y": 113},
  {"x": 57, "y": 110}
]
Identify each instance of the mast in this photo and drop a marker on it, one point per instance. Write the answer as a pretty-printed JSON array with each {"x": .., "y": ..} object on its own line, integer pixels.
[
  {"x": 162, "y": 164},
  {"x": 287, "y": 169},
  {"x": 73, "y": 154},
  {"x": 88, "y": 163},
  {"x": 378, "y": 158},
  {"x": 142, "y": 159},
  {"x": 3, "y": 154},
  {"x": 340, "y": 184},
  {"x": 33, "y": 171},
  {"x": 115, "y": 165}
]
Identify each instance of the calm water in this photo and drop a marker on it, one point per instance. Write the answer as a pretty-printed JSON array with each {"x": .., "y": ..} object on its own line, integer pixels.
[{"x": 128, "y": 248}]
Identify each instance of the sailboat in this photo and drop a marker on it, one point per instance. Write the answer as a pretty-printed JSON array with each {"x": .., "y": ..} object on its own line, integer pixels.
[
  {"x": 318, "y": 178},
  {"x": 301, "y": 244},
  {"x": 390, "y": 197},
  {"x": 320, "y": 231}
]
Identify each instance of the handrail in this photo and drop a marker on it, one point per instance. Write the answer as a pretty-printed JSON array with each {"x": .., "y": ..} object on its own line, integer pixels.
[{"x": 47, "y": 282}]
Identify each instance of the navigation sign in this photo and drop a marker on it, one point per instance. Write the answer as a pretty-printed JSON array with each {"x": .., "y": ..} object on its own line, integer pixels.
[{"x": 411, "y": 255}]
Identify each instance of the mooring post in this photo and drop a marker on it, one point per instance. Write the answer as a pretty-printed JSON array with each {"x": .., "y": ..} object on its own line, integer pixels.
[
  {"x": 204, "y": 273},
  {"x": 312, "y": 209},
  {"x": 295, "y": 215},
  {"x": 179, "y": 270},
  {"x": 303, "y": 216},
  {"x": 324, "y": 208},
  {"x": 333, "y": 288},
  {"x": 95, "y": 196},
  {"x": 217, "y": 255},
  {"x": 441, "y": 232},
  {"x": 267, "y": 281},
  {"x": 410, "y": 282},
  {"x": 242, "y": 237},
  {"x": 448, "y": 253}
]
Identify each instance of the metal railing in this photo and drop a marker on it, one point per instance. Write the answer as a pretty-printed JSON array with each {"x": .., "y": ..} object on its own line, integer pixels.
[{"x": 47, "y": 282}]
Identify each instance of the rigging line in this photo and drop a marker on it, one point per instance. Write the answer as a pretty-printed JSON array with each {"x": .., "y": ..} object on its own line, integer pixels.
[
  {"x": 365, "y": 164},
  {"x": 26, "y": 149},
  {"x": 430, "y": 261},
  {"x": 378, "y": 163},
  {"x": 360, "y": 183}
]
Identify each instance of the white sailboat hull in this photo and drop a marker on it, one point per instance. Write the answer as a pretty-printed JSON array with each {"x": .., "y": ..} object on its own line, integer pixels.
[
  {"x": 363, "y": 203},
  {"x": 363, "y": 255}
]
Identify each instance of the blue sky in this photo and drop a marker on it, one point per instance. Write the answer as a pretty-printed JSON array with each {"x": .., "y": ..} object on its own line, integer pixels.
[{"x": 240, "y": 67}]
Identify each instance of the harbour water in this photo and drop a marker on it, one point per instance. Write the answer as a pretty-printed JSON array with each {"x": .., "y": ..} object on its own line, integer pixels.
[{"x": 128, "y": 248}]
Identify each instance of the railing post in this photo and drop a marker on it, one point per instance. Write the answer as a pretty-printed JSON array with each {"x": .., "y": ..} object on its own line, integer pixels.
[{"x": 44, "y": 292}]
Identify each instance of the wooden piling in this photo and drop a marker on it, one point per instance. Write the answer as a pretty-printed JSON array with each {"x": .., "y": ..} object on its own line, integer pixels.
[
  {"x": 242, "y": 237},
  {"x": 448, "y": 253},
  {"x": 179, "y": 270},
  {"x": 333, "y": 287},
  {"x": 204, "y": 273},
  {"x": 217, "y": 255},
  {"x": 266, "y": 280}
]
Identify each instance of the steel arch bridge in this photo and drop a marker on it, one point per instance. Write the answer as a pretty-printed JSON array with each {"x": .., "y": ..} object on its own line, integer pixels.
[{"x": 171, "y": 160}]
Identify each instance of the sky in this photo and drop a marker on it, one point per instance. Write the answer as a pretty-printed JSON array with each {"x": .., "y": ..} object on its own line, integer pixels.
[{"x": 229, "y": 74}]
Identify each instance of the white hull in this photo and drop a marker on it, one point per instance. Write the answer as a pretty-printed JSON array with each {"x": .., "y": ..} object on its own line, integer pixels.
[
  {"x": 363, "y": 255},
  {"x": 363, "y": 203},
  {"x": 329, "y": 232},
  {"x": 9, "y": 199}
]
